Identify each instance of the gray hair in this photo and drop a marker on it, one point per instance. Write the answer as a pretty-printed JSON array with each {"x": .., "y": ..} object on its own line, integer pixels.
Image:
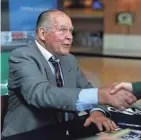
[{"x": 44, "y": 19}]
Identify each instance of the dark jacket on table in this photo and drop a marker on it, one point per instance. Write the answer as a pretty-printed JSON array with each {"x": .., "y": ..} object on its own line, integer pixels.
[{"x": 137, "y": 89}]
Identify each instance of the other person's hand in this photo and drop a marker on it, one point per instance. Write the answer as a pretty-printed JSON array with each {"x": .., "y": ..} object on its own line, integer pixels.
[{"x": 122, "y": 85}]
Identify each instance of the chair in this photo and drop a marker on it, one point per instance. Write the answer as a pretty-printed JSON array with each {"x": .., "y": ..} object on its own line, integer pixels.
[{"x": 4, "y": 106}]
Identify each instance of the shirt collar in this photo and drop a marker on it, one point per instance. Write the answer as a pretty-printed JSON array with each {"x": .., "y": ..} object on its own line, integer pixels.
[{"x": 45, "y": 52}]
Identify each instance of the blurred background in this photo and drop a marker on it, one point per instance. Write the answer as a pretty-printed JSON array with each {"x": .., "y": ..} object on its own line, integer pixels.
[{"x": 107, "y": 36}]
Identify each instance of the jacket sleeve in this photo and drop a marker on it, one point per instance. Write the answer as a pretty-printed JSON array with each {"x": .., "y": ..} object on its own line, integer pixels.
[
  {"x": 26, "y": 79},
  {"x": 137, "y": 89},
  {"x": 83, "y": 83}
]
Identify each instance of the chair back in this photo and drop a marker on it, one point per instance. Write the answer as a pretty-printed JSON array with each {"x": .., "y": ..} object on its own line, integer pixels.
[{"x": 4, "y": 107}]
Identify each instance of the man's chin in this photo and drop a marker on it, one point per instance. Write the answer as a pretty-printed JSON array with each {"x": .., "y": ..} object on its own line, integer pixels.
[{"x": 65, "y": 53}]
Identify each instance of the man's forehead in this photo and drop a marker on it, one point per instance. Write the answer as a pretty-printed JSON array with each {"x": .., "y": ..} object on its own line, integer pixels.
[
  {"x": 56, "y": 16},
  {"x": 61, "y": 20}
]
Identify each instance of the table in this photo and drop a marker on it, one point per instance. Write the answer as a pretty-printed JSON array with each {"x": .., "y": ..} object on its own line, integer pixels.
[
  {"x": 56, "y": 131},
  {"x": 52, "y": 132},
  {"x": 130, "y": 116}
]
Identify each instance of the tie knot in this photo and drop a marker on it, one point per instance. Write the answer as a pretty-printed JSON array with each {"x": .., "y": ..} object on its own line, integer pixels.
[{"x": 52, "y": 59}]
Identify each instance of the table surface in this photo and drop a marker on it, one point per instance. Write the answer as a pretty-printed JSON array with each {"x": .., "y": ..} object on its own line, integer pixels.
[
  {"x": 52, "y": 132},
  {"x": 56, "y": 131}
]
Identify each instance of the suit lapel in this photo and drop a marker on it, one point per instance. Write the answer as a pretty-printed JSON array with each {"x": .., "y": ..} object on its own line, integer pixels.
[
  {"x": 65, "y": 71},
  {"x": 39, "y": 55}
]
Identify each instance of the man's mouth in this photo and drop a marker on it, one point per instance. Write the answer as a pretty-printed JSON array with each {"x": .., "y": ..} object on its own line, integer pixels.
[{"x": 67, "y": 45}]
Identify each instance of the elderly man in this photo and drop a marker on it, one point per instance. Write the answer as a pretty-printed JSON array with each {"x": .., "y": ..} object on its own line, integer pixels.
[{"x": 45, "y": 83}]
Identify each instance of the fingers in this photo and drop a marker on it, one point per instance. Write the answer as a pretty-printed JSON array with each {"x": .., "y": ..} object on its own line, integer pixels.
[
  {"x": 123, "y": 85},
  {"x": 125, "y": 104},
  {"x": 116, "y": 88},
  {"x": 99, "y": 125},
  {"x": 122, "y": 99},
  {"x": 108, "y": 124},
  {"x": 122, "y": 108},
  {"x": 87, "y": 123},
  {"x": 129, "y": 101},
  {"x": 112, "y": 125},
  {"x": 101, "y": 121},
  {"x": 131, "y": 97}
]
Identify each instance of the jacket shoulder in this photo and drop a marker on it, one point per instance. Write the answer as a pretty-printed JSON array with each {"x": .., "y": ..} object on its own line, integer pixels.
[
  {"x": 21, "y": 54},
  {"x": 21, "y": 50}
]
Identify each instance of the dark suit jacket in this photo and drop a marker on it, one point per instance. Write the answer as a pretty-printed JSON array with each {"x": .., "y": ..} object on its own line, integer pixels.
[
  {"x": 137, "y": 89},
  {"x": 34, "y": 99}
]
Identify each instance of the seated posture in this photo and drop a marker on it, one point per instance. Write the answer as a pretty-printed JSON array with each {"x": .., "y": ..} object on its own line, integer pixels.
[{"x": 46, "y": 85}]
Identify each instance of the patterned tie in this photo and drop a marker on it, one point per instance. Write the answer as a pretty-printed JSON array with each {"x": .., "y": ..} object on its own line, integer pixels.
[{"x": 59, "y": 81}]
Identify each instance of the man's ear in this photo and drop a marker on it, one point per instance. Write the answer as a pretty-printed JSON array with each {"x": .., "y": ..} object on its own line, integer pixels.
[{"x": 42, "y": 33}]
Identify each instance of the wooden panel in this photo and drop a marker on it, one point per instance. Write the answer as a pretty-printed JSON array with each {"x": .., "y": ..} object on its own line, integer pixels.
[
  {"x": 109, "y": 70},
  {"x": 113, "y": 6},
  {"x": 110, "y": 27},
  {"x": 88, "y": 25},
  {"x": 136, "y": 29}
]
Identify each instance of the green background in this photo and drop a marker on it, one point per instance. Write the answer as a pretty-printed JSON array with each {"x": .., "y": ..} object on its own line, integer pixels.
[{"x": 4, "y": 72}]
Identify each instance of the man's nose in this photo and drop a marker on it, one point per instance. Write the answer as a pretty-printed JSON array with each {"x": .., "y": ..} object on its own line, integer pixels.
[{"x": 69, "y": 35}]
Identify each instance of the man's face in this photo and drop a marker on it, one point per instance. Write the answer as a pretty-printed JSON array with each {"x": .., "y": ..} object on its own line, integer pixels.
[{"x": 59, "y": 39}]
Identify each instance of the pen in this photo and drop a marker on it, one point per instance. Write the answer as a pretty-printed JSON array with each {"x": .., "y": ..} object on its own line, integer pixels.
[{"x": 130, "y": 125}]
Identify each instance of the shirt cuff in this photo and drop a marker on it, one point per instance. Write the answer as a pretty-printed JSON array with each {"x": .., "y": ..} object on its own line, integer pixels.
[
  {"x": 98, "y": 109},
  {"x": 87, "y": 99},
  {"x": 88, "y": 96},
  {"x": 83, "y": 107}
]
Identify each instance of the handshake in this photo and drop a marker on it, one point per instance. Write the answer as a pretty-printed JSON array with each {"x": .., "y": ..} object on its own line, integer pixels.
[{"x": 119, "y": 96}]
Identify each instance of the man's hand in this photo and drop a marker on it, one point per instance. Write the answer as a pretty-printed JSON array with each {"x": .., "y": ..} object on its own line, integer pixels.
[
  {"x": 121, "y": 100},
  {"x": 101, "y": 121}
]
